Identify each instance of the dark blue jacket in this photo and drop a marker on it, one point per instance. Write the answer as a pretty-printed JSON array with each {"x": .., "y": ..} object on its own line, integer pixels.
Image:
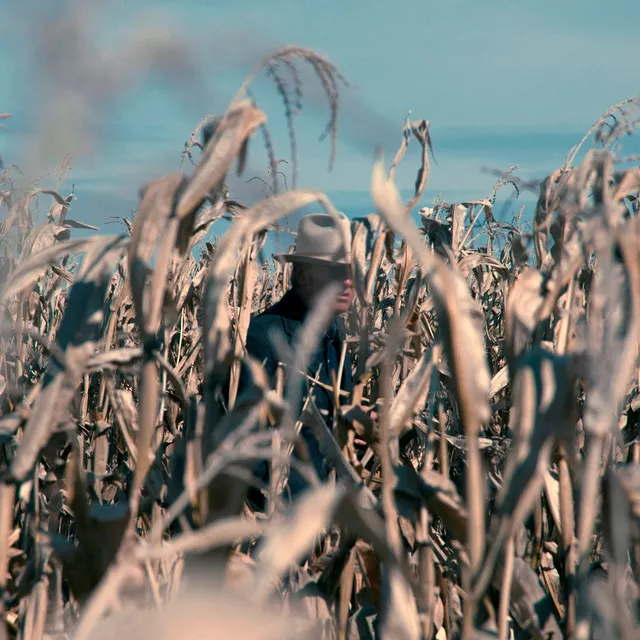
[{"x": 286, "y": 318}]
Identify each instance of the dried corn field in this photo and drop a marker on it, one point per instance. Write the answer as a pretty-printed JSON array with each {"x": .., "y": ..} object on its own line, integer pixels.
[{"x": 498, "y": 490}]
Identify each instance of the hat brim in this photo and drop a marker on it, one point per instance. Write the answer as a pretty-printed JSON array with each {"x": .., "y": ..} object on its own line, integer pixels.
[{"x": 292, "y": 257}]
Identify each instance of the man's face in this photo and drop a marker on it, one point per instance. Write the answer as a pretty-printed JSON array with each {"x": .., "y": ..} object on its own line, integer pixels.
[{"x": 320, "y": 276}]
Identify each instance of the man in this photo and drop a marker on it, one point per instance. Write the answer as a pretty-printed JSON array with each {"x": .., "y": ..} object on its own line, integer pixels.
[{"x": 321, "y": 256}]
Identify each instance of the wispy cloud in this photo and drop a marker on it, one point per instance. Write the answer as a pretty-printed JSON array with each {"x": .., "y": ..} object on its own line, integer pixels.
[{"x": 501, "y": 83}]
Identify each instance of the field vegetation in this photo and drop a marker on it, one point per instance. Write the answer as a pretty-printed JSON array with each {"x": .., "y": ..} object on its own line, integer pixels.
[{"x": 498, "y": 492}]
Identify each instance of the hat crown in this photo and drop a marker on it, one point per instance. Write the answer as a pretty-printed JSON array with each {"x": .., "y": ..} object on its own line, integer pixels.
[{"x": 323, "y": 237}]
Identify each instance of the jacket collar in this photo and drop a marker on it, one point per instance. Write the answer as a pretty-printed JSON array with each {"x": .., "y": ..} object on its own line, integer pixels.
[{"x": 292, "y": 306}]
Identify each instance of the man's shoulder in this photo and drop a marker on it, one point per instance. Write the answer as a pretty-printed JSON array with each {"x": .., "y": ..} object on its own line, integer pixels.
[
  {"x": 262, "y": 330},
  {"x": 268, "y": 316},
  {"x": 262, "y": 323},
  {"x": 278, "y": 314}
]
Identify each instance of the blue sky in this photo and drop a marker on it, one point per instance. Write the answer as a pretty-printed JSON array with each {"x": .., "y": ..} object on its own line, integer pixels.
[{"x": 501, "y": 82}]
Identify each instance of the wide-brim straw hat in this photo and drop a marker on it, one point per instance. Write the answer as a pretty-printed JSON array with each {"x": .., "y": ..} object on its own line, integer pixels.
[{"x": 321, "y": 239}]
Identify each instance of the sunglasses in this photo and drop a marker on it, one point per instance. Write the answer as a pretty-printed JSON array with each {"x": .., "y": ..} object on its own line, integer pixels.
[{"x": 338, "y": 271}]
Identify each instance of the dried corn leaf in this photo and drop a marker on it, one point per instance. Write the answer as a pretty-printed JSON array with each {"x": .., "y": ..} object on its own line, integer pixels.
[
  {"x": 237, "y": 125},
  {"x": 114, "y": 359},
  {"x": 460, "y": 317},
  {"x": 28, "y": 271},
  {"x": 411, "y": 396},
  {"x": 499, "y": 381},
  {"x": 461, "y": 324},
  {"x": 544, "y": 411},
  {"x": 288, "y": 541},
  {"x": 154, "y": 220},
  {"x": 523, "y": 308},
  {"x": 613, "y": 331},
  {"x": 246, "y": 278},
  {"x": 440, "y": 496},
  {"x": 552, "y": 493},
  {"x": 398, "y": 617},
  {"x": 530, "y": 606},
  {"x": 616, "y": 525},
  {"x": 358, "y": 258},
  {"x": 331, "y": 449},
  {"x": 42, "y": 238},
  {"x": 458, "y": 217},
  {"x": 77, "y": 336}
]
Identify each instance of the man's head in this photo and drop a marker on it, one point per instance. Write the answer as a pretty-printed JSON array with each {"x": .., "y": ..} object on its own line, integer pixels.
[
  {"x": 322, "y": 256},
  {"x": 308, "y": 280}
]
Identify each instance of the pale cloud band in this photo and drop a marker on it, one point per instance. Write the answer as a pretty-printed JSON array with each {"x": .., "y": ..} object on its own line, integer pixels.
[{"x": 501, "y": 84}]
